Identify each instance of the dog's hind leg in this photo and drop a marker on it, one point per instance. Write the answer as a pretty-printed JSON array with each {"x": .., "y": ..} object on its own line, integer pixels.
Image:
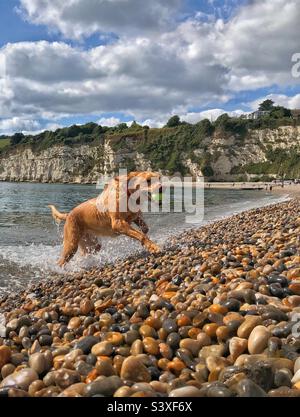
[
  {"x": 89, "y": 244},
  {"x": 72, "y": 236}
]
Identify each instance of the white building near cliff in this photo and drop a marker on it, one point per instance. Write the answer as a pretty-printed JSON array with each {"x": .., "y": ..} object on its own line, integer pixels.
[{"x": 257, "y": 114}]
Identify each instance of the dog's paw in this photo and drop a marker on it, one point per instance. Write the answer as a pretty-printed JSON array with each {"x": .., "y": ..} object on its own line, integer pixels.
[
  {"x": 61, "y": 263},
  {"x": 153, "y": 248}
]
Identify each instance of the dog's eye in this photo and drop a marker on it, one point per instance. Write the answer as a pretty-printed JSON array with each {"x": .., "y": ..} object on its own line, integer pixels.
[{"x": 149, "y": 181}]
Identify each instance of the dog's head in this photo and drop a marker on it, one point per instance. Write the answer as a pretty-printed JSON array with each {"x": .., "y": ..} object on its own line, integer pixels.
[{"x": 145, "y": 183}]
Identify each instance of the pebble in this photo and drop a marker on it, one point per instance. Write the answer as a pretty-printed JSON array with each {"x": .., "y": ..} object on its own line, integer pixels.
[
  {"x": 62, "y": 378},
  {"x": 173, "y": 340},
  {"x": 102, "y": 349},
  {"x": 7, "y": 369},
  {"x": 296, "y": 377},
  {"x": 247, "y": 388},
  {"x": 86, "y": 306},
  {"x": 237, "y": 346},
  {"x": 219, "y": 392},
  {"x": 137, "y": 348},
  {"x": 123, "y": 391},
  {"x": 45, "y": 340},
  {"x": 283, "y": 378},
  {"x": 134, "y": 370},
  {"x": 21, "y": 379},
  {"x": 185, "y": 392},
  {"x": 297, "y": 365},
  {"x": 151, "y": 346},
  {"x": 147, "y": 331},
  {"x": 86, "y": 344},
  {"x": 248, "y": 325},
  {"x": 5, "y": 355},
  {"x": 258, "y": 340},
  {"x": 105, "y": 368},
  {"x": 170, "y": 326},
  {"x": 213, "y": 350},
  {"x": 17, "y": 393},
  {"x": 284, "y": 392},
  {"x": 37, "y": 362},
  {"x": 74, "y": 323},
  {"x": 35, "y": 386},
  {"x": 75, "y": 390},
  {"x": 193, "y": 346},
  {"x": 105, "y": 386}
]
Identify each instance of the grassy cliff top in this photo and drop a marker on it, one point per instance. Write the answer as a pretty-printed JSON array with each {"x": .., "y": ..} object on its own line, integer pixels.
[{"x": 186, "y": 135}]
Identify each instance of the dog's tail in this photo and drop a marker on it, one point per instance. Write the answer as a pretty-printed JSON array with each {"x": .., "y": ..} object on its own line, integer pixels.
[{"x": 57, "y": 216}]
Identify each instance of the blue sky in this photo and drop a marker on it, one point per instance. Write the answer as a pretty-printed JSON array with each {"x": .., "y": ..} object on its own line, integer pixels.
[
  {"x": 115, "y": 61},
  {"x": 15, "y": 29}
]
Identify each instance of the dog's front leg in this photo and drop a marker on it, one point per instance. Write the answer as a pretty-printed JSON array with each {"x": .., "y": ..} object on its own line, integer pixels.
[
  {"x": 122, "y": 227},
  {"x": 140, "y": 222}
]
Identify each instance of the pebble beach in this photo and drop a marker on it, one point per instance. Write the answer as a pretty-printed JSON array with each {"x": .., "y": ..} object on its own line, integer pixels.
[{"x": 215, "y": 314}]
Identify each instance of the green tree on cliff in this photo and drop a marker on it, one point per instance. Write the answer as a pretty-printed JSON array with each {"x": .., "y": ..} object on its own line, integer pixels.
[
  {"x": 266, "y": 105},
  {"x": 173, "y": 121}
]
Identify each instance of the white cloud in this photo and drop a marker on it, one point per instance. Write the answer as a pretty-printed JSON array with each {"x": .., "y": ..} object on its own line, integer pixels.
[
  {"x": 212, "y": 114},
  {"x": 137, "y": 77},
  {"x": 258, "y": 44},
  {"x": 17, "y": 124},
  {"x": 290, "y": 102},
  {"x": 78, "y": 18},
  {"x": 109, "y": 121},
  {"x": 26, "y": 126},
  {"x": 154, "y": 122},
  {"x": 192, "y": 117}
]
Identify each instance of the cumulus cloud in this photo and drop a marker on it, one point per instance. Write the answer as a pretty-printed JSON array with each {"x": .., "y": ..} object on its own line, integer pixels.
[
  {"x": 138, "y": 77},
  {"x": 290, "y": 102},
  {"x": 18, "y": 124},
  {"x": 212, "y": 114},
  {"x": 26, "y": 126},
  {"x": 77, "y": 18},
  {"x": 192, "y": 117},
  {"x": 109, "y": 121},
  {"x": 259, "y": 42}
]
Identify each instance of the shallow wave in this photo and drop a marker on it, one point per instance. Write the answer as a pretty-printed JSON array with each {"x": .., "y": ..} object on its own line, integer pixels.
[{"x": 221, "y": 212}]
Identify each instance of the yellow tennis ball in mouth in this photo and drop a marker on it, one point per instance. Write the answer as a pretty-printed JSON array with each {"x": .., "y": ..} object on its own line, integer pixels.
[{"x": 157, "y": 197}]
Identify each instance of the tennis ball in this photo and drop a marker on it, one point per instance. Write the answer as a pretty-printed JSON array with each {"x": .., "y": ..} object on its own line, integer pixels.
[{"x": 157, "y": 197}]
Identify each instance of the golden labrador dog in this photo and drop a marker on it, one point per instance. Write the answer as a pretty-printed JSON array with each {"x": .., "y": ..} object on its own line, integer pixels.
[{"x": 110, "y": 214}]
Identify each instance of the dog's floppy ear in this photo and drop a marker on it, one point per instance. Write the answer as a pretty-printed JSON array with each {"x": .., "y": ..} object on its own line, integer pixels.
[
  {"x": 121, "y": 183},
  {"x": 133, "y": 182}
]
